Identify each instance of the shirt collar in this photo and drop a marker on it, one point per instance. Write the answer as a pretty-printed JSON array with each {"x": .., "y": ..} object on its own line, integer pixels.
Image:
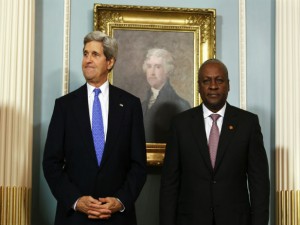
[
  {"x": 103, "y": 88},
  {"x": 155, "y": 91},
  {"x": 207, "y": 112}
]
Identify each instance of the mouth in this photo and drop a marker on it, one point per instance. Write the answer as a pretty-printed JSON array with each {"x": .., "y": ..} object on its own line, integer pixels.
[
  {"x": 213, "y": 95},
  {"x": 89, "y": 68},
  {"x": 152, "y": 78}
]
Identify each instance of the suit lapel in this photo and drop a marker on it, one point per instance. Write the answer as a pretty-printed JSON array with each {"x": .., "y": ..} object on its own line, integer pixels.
[
  {"x": 229, "y": 127},
  {"x": 115, "y": 118},
  {"x": 198, "y": 127},
  {"x": 81, "y": 112}
]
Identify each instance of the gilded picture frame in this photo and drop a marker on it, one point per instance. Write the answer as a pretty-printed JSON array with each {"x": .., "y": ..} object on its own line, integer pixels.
[{"x": 189, "y": 34}]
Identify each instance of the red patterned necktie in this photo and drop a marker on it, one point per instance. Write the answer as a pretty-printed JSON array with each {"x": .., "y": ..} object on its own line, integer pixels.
[{"x": 213, "y": 139}]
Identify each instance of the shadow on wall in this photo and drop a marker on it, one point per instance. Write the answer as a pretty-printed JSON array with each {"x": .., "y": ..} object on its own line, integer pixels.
[{"x": 147, "y": 205}]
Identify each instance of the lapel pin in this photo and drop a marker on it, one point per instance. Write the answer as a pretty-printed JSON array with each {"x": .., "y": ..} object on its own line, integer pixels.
[
  {"x": 121, "y": 105},
  {"x": 230, "y": 127}
]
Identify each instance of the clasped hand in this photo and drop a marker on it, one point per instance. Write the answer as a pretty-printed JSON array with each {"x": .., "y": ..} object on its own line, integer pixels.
[{"x": 101, "y": 208}]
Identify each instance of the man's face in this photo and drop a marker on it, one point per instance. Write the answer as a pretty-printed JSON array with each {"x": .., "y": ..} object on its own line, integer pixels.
[
  {"x": 213, "y": 86},
  {"x": 95, "y": 67},
  {"x": 155, "y": 72}
]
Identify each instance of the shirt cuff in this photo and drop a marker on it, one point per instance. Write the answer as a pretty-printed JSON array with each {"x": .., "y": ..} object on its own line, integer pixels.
[
  {"x": 123, "y": 207},
  {"x": 74, "y": 205}
]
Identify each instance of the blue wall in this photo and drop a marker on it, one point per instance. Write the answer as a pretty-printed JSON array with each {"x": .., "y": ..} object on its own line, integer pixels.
[{"x": 48, "y": 78}]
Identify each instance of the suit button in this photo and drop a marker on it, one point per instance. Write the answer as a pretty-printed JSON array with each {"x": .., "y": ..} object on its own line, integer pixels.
[{"x": 214, "y": 182}]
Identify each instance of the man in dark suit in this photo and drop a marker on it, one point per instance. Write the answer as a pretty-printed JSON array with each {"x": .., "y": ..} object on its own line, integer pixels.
[
  {"x": 226, "y": 187},
  {"x": 162, "y": 102},
  {"x": 88, "y": 189}
]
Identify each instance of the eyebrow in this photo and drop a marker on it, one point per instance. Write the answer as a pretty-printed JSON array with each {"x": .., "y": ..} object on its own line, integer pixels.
[
  {"x": 155, "y": 64},
  {"x": 86, "y": 51}
]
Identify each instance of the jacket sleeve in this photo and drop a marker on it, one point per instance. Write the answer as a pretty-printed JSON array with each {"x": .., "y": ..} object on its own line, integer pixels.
[
  {"x": 258, "y": 177},
  {"x": 54, "y": 161},
  {"x": 170, "y": 182},
  {"x": 137, "y": 173}
]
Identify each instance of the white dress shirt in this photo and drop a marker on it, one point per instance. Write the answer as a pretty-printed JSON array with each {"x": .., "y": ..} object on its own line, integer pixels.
[
  {"x": 104, "y": 100},
  {"x": 208, "y": 120}
]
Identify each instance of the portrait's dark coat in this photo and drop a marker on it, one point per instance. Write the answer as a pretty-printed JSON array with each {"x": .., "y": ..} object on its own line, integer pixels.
[{"x": 157, "y": 119}]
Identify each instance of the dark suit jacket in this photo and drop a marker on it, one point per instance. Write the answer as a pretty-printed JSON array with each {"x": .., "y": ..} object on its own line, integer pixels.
[
  {"x": 70, "y": 163},
  {"x": 192, "y": 192},
  {"x": 157, "y": 119}
]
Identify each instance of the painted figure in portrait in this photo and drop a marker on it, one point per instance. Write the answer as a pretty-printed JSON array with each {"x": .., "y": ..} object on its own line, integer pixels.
[
  {"x": 152, "y": 65},
  {"x": 162, "y": 102}
]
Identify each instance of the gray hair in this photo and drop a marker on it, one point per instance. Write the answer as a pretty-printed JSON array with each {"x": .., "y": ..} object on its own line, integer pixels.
[
  {"x": 110, "y": 45},
  {"x": 168, "y": 60}
]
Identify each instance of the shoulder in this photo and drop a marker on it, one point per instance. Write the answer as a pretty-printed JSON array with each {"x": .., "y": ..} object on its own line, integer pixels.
[
  {"x": 117, "y": 93},
  {"x": 244, "y": 117},
  {"x": 238, "y": 111},
  {"x": 183, "y": 103},
  {"x": 81, "y": 91},
  {"x": 189, "y": 115},
  {"x": 173, "y": 96}
]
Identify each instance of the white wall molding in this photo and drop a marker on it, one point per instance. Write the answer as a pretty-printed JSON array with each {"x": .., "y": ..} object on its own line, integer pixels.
[
  {"x": 66, "y": 47},
  {"x": 242, "y": 54}
]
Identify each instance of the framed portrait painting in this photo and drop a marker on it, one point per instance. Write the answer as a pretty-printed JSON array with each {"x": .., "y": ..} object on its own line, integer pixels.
[{"x": 160, "y": 51}]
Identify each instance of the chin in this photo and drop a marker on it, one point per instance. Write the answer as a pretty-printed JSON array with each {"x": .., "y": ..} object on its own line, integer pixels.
[
  {"x": 214, "y": 107},
  {"x": 89, "y": 76}
]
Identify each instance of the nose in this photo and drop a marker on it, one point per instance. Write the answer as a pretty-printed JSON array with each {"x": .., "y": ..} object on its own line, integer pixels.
[
  {"x": 151, "y": 71},
  {"x": 87, "y": 58},
  {"x": 213, "y": 84}
]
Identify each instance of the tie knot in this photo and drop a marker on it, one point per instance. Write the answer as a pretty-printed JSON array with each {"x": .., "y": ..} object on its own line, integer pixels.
[
  {"x": 97, "y": 91},
  {"x": 215, "y": 117}
]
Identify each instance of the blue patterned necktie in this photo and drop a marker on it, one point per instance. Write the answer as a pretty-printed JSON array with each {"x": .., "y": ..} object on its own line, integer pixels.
[{"x": 97, "y": 126}]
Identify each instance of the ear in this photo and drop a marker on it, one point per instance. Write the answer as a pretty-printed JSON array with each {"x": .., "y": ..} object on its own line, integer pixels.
[
  {"x": 228, "y": 85},
  {"x": 110, "y": 63}
]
